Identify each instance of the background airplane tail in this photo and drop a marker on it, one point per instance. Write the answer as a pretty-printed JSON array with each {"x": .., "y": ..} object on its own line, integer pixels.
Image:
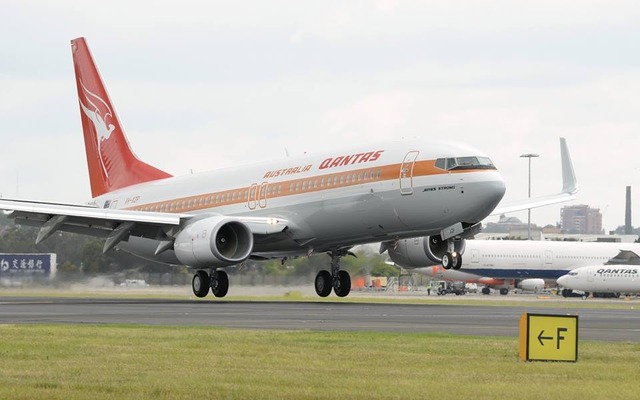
[{"x": 112, "y": 164}]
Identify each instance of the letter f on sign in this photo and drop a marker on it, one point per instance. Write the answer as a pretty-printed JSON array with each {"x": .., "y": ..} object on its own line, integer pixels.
[{"x": 560, "y": 337}]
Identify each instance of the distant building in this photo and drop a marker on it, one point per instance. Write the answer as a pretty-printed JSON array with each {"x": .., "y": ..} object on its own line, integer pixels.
[
  {"x": 512, "y": 227},
  {"x": 581, "y": 219},
  {"x": 552, "y": 229}
]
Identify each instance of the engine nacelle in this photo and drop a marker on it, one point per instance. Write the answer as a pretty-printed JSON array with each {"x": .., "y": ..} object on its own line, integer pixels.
[
  {"x": 532, "y": 285},
  {"x": 216, "y": 241},
  {"x": 421, "y": 251}
]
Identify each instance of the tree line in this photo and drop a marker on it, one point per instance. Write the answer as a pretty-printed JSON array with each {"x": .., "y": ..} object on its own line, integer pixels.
[{"x": 80, "y": 256}]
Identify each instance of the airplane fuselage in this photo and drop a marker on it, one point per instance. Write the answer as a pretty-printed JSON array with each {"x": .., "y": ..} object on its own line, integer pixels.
[
  {"x": 603, "y": 279},
  {"x": 519, "y": 259},
  {"x": 336, "y": 200}
]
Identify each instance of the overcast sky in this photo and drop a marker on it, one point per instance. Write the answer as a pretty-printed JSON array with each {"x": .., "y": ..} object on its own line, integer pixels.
[{"x": 202, "y": 85}]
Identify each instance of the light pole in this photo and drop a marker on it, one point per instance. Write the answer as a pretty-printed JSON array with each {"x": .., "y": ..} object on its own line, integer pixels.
[{"x": 529, "y": 156}]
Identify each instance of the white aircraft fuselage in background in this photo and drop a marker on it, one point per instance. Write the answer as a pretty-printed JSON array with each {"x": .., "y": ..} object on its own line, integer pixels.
[
  {"x": 523, "y": 264},
  {"x": 524, "y": 259},
  {"x": 604, "y": 278}
]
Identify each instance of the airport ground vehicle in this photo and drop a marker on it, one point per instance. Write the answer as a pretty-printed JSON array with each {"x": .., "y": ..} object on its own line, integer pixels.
[{"x": 449, "y": 287}]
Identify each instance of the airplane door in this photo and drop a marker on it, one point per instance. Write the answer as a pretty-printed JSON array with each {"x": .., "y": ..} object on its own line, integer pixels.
[
  {"x": 406, "y": 172},
  {"x": 475, "y": 256},
  {"x": 548, "y": 257},
  {"x": 262, "y": 198},
  {"x": 253, "y": 196}
]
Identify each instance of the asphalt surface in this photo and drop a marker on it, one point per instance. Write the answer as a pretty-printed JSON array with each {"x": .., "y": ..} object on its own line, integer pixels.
[{"x": 594, "y": 324}]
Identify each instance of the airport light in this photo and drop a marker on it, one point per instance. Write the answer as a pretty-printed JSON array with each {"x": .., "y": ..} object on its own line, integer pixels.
[{"x": 529, "y": 156}]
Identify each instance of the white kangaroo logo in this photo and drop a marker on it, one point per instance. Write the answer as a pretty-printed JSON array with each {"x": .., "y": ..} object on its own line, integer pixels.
[{"x": 92, "y": 111}]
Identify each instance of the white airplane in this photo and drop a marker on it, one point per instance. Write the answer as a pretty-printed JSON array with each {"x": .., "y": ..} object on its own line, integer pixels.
[
  {"x": 611, "y": 277},
  {"x": 503, "y": 284},
  {"x": 299, "y": 206},
  {"x": 522, "y": 262}
]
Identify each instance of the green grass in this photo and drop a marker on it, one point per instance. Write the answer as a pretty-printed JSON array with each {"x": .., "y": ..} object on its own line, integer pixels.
[{"x": 131, "y": 361}]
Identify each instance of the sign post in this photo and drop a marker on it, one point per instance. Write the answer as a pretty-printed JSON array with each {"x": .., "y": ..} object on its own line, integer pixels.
[{"x": 545, "y": 337}]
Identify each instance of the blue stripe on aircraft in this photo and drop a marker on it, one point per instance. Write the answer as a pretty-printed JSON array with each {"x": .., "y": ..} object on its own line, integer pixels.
[{"x": 517, "y": 273}]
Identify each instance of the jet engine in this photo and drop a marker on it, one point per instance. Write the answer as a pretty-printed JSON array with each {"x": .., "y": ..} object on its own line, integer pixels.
[
  {"x": 217, "y": 241},
  {"x": 421, "y": 251},
  {"x": 532, "y": 285}
]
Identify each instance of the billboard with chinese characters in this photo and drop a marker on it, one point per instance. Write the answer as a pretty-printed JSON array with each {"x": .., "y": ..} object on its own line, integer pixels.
[{"x": 27, "y": 265}]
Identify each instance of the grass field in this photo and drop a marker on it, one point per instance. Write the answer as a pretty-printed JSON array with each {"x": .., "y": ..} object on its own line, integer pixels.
[{"x": 131, "y": 361}]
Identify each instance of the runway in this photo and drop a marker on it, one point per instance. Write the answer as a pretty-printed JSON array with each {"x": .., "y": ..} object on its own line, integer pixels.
[{"x": 594, "y": 324}]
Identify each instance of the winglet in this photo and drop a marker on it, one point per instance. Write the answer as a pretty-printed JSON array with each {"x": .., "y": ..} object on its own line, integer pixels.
[
  {"x": 569, "y": 188},
  {"x": 569, "y": 181}
]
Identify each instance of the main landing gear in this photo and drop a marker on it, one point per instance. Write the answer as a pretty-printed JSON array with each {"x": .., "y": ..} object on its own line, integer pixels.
[
  {"x": 218, "y": 282},
  {"x": 339, "y": 280}
]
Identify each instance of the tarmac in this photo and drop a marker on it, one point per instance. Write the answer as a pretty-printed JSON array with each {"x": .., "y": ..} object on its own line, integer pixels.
[{"x": 446, "y": 314}]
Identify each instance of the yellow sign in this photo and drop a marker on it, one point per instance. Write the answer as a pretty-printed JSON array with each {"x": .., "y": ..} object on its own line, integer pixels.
[{"x": 545, "y": 337}]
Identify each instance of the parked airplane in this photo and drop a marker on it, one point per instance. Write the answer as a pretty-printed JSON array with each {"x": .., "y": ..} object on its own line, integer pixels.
[
  {"x": 619, "y": 275},
  {"x": 523, "y": 262},
  {"x": 503, "y": 285},
  {"x": 299, "y": 206}
]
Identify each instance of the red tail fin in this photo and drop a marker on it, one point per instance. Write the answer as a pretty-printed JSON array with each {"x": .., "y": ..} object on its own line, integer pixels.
[{"x": 112, "y": 164}]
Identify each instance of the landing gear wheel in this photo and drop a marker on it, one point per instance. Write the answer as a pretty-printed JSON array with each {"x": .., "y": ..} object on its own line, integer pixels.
[
  {"x": 323, "y": 283},
  {"x": 486, "y": 290},
  {"x": 456, "y": 261},
  {"x": 446, "y": 260},
  {"x": 219, "y": 283},
  {"x": 342, "y": 285},
  {"x": 200, "y": 283},
  {"x": 504, "y": 291}
]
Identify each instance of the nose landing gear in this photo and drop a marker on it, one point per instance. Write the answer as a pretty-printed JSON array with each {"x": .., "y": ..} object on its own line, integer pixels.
[{"x": 452, "y": 260}]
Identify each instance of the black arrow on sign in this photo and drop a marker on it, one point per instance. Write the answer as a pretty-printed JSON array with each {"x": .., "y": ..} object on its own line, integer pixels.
[{"x": 541, "y": 338}]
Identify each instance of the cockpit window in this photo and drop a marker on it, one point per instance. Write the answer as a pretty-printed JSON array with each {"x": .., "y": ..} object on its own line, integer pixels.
[{"x": 464, "y": 163}]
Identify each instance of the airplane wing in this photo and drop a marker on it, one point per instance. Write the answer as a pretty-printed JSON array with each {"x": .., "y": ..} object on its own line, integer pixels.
[
  {"x": 625, "y": 257},
  {"x": 569, "y": 188},
  {"x": 114, "y": 225}
]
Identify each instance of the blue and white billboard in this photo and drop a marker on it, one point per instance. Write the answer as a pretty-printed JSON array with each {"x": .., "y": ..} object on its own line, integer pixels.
[{"x": 38, "y": 264}]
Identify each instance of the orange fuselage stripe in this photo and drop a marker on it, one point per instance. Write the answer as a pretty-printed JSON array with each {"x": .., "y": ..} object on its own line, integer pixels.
[{"x": 292, "y": 187}]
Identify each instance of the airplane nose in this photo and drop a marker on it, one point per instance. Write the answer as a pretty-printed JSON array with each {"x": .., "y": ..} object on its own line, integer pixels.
[
  {"x": 487, "y": 197},
  {"x": 500, "y": 190},
  {"x": 563, "y": 280}
]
